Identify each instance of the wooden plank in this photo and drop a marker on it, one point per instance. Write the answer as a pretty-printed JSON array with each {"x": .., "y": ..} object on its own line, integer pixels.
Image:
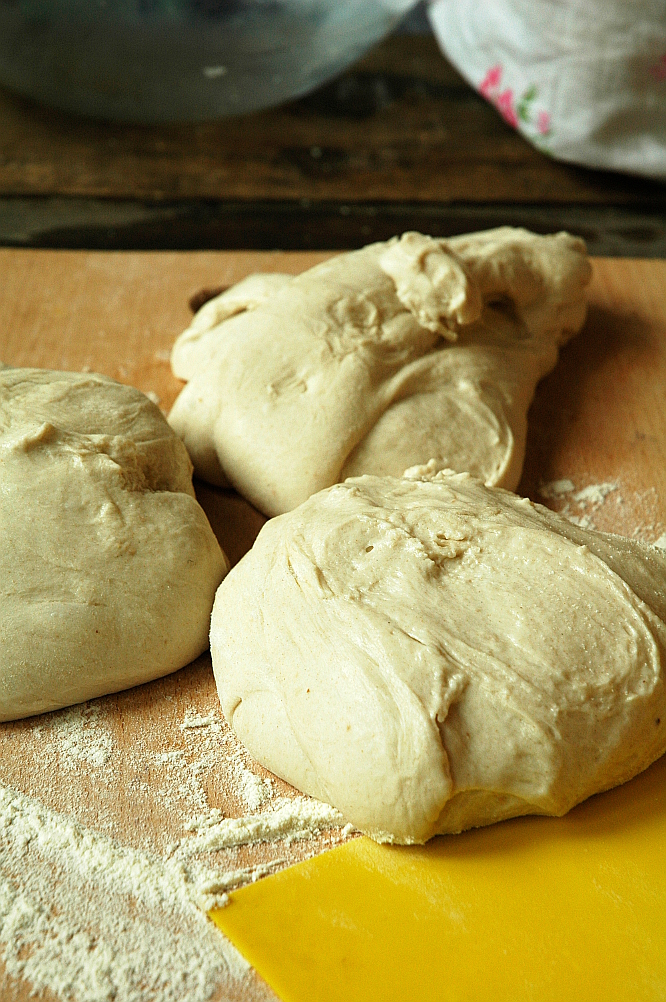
[
  {"x": 113, "y": 224},
  {"x": 114, "y": 313},
  {"x": 599, "y": 418},
  {"x": 400, "y": 126}
]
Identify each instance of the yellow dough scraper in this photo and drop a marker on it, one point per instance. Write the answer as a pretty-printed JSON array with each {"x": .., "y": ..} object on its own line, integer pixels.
[{"x": 538, "y": 909}]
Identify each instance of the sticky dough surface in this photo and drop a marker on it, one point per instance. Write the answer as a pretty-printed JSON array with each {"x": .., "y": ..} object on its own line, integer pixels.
[
  {"x": 430, "y": 654},
  {"x": 108, "y": 566},
  {"x": 376, "y": 360}
]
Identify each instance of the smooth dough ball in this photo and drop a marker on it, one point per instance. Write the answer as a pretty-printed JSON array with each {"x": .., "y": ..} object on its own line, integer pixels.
[
  {"x": 108, "y": 566},
  {"x": 429, "y": 654},
  {"x": 377, "y": 360}
]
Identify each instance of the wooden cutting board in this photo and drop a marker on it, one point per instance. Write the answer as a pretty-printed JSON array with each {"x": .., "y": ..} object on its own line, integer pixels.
[{"x": 599, "y": 418}]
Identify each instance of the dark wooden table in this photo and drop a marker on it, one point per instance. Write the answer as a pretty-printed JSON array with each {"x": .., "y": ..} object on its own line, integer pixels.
[{"x": 398, "y": 142}]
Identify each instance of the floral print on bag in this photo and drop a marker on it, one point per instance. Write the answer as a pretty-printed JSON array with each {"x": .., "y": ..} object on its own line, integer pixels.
[{"x": 520, "y": 114}]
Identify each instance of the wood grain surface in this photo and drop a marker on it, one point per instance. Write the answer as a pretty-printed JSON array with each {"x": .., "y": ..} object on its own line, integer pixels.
[
  {"x": 399, "y": 141},
  {"x": 600, "y": 417},
  {"x": 401, "y": 124}
]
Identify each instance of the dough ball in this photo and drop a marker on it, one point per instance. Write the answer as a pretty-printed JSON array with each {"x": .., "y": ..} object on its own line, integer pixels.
[
  {"x": 377, "y": 360},
  {"x": 108, "y": 566},
  {"x": 429, "y": 654}
]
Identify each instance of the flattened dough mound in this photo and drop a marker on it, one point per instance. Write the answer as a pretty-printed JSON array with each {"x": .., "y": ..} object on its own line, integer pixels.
[
  {"x": 429, "y": 654},
  {"x": 108, "y": 566},
  {"x": 378, "y": 360}
]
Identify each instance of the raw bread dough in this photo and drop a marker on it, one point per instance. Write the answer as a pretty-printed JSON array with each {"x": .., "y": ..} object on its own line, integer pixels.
[
  {"x": 429, "y": 654},
  {"x": 376, "y": 360},
  {"x": 108, "y": 566}
]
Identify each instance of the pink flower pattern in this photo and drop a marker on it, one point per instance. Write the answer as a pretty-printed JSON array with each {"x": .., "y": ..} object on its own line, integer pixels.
[
  {"x": 490, "y": 82},
  {"x": 513, "y": 111},
  {"x": 504, "y": 104}
]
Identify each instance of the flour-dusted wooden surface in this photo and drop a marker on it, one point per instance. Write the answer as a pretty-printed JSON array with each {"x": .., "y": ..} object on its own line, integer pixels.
[
  {"x": 119, "y": 314},
  {"x": 599, "y": 418}
]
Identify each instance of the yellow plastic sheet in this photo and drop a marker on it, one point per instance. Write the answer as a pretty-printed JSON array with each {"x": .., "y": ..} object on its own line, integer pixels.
[{"x": 542, "y": 909}]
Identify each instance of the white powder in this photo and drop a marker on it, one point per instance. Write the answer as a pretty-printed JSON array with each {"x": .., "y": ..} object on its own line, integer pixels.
[
  {"x": 93, "y": 918},
  {"x": 195, "y": 720},
  {"x": 203, "y": 821},
  {"x": 588, "y": 500},
  {"x": 253, "y": 791},
  {"x": 165, "y": 758},
  {"x": 289, "y": 819},
  {"x": 215, "y": 888},
  {"x": 595, "y": 494},
  {"x": 556, "y": 488},
  {"x": 145, "y": 939},
  {"x": 187, "y": 770},
  {"x": 183, "y": 779},
  {"x": 661, "y": 542},
  {"x": 78, "y": 735}
]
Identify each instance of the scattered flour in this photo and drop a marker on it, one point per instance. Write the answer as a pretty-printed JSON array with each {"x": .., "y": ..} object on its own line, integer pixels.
[
  {"x": 288, "y": 820},
  {"x": 94, "y": 920},
  {"x": 214, "y": 888},
  {"x": 78, "y": 735},
  {"x": 186, "y": 771},
  {"x": 170, "y": 757},
  {"x": 595, "y": 494},
  {"x": 203, "y": 821},
  {"x": 253, "y": 790},
  {"x": 194, "y": 720},
  {"x": 182, "y": 779},
  {"x": 556, "y": 488},
  {"x": 587, "y": 500},
  {"x": 147, "y": 942}
]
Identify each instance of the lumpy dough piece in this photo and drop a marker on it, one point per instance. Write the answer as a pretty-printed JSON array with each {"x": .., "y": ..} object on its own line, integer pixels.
[
  {"x": 378, "y": 360},
  {"x": 430, "y": 654},
  {"x": 108, "y": 566},
  {"x": 188, "y": 353}
]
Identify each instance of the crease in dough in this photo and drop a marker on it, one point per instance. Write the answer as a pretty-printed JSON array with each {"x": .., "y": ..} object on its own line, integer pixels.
[
  {"x": 429, "y": 654},
  {"x": 108, "y": 566},
  {"x": 377, "y": 360}
]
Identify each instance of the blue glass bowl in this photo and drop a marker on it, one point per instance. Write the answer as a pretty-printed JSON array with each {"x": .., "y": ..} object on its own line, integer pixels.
[{"x": 182, "y": 60}]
